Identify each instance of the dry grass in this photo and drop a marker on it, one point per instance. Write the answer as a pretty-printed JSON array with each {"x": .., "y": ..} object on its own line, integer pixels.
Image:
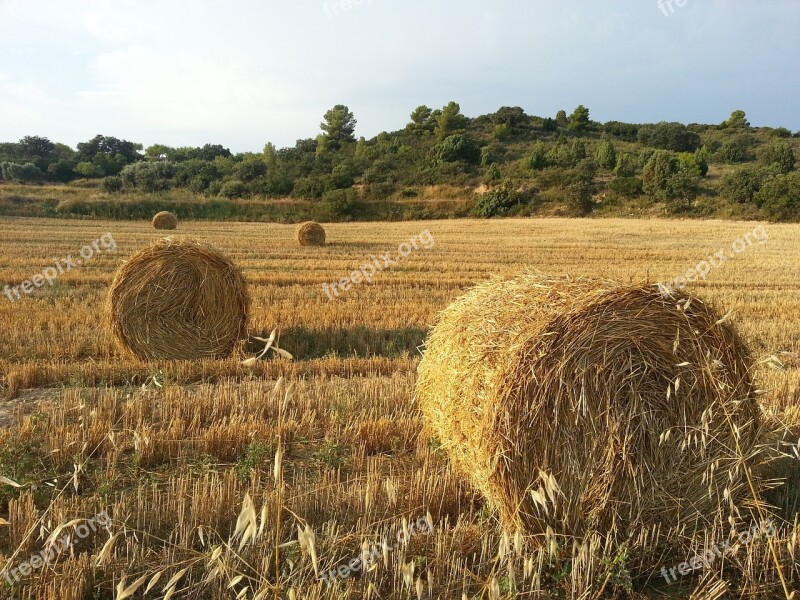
[
  {"x": 179, "y": 300},
  {"x": 165, "y": 220},
  {"x": 174, "y": 461}
]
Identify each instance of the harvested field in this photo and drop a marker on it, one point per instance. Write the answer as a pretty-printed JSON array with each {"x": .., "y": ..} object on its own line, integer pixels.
[{"x": 208, "y": 469}]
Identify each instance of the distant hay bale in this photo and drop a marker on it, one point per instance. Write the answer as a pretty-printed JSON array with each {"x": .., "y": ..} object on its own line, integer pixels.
[
  {"x": 178, "y": 300},
  {"x": 584, "y": 406},
  {"x": 165, "y": 220},
  {"x": 310, "y": 234}
]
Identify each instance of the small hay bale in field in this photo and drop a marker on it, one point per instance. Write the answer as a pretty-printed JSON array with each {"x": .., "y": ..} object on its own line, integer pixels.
[
  {"x": 310, "y": 234},
  {"x": 178, "y": 300},
  {"x": 165, "y": 220},
  {"x": 586, "y": 406}
]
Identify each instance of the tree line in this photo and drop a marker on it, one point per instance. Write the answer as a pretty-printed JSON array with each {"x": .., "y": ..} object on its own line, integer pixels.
[{"x": 509, "y": 162}]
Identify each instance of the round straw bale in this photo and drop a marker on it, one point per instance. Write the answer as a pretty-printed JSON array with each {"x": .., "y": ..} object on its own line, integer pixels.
[
  {"x": 178, "y": 300},
  {"x": 585, "y": 406},
  {"x": 310, "y": 234},
  {"x": 165, "y": 220}
]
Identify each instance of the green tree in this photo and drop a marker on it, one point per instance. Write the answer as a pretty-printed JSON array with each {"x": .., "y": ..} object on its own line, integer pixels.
[
  {"x": 158, "y": 151},
  {"x": 738, "y": 120},
  {"x": 503, "y": 131},
  {"x": 780, "y": 154},
  {"x": 657, "y": 172},
  {"x": 538, "y": 157},
  {"x": 669, "y": 136},
  {"x": 561, "y": 118},
  {"x": 579, "y": 119},
  {"x": 606, "y": 154},
  {"x": 577, "y": 151},
  {"x": 22, "y": 173},
  {"x": 361, "y": 147},
  {"x": 742, "y": 184},
  {"x": 111, "y": 184},
  {"x": 88, "y": 169},
  {"x": 703, "y": 157},
  {"x": 422, "y": 120},
  {"x": 779, "y": 197},
  {"x": 339, "y": 126},
  {"x": 450, "y": 121},
  {"x": 270, "y": 154},
  {"x": 732, "y": 152},
  {"x": 513, "y": 116},
  {"x": 458, "y": 147}
]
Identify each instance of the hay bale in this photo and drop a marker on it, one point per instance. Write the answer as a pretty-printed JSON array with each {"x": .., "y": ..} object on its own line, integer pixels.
[
  {"x": 310, "y": 234},
  {"x": 165, "y": 220},
  {"x": 178, "y": 300},
  {"x": 619, "y": 397}
]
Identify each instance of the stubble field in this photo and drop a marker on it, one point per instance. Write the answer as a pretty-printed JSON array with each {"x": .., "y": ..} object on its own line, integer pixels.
[{"x": 182, "y": 455}]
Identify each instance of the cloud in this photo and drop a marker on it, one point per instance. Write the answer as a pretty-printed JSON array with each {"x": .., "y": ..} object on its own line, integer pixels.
[{"x": 243, "y": 72}]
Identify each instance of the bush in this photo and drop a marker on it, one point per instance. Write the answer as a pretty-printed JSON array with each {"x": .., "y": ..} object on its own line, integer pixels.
[
  {"x": 780, "y": 155},
  {"x": 779, "y": 197},
  {"x": 743, "y": 184},
  {"x": 499, "y": 202},
  {"x": 148, "y": 176},
  {"x": 235, "y": 188},
  {"x": 606, "y": 155},
  {"x": 669, "y": 136},
  {"x": 111, "y": 184},
  {"x": 656, "y": 173},
  {"x": 627, "y": 187},
  {"x": 538, "y": 158},
  {"x": 21, "y": 173},
  {"x": 341, "y": 203},
  {"x": 458, "y": 148}
]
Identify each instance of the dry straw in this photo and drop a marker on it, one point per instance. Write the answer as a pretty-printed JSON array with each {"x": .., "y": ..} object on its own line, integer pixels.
[
  {"x": 310, "y": 234},
  {"x": 165, "y": 220},
  {"x": 178, "y": 300},
  {"x": 584, "y": 406}
]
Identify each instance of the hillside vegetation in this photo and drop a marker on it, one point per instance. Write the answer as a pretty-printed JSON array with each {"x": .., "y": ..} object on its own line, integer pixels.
[{"x": 443, "y": 164}]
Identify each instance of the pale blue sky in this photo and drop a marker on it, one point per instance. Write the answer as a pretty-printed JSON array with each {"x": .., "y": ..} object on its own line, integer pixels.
[{"x": 244, "y": 72}]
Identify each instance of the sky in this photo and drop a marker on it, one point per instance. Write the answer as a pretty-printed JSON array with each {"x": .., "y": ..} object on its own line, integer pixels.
[{"x": 245, "y": 72}]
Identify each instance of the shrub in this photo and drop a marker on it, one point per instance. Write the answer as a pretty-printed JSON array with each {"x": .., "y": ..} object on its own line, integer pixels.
[
  {"x": 148, "y": 176},
  {"x": 458, "y": 148},
  {"x": 779, "y": 197},
  {"x": 627, "y": 165},
  {"x": 669, "y": 136},
  {"x": 627, "y": 187},
  {"x": 234, "y": 188},
  {"x": 111, "y": 184},
  {"x": 538, "y": 158},
  {"x": 22, "y": 173},
  {"x": 606, "y": 155},
  {"x": 499, "y": 202},
  {"x": 781, "y": 155},
  {"x": 341, "y": 203},
  {"x": 731, "y": 152},
  {"x": 742, "y": 184}
]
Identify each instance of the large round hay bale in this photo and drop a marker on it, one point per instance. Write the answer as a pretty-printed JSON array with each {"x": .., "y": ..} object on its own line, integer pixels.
[
  {"x": 585, "y": 406},
  {"x": 178, "y": 300},
  {"x": 310, "y": 234},
  {"x": 165, "y": 220}
]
